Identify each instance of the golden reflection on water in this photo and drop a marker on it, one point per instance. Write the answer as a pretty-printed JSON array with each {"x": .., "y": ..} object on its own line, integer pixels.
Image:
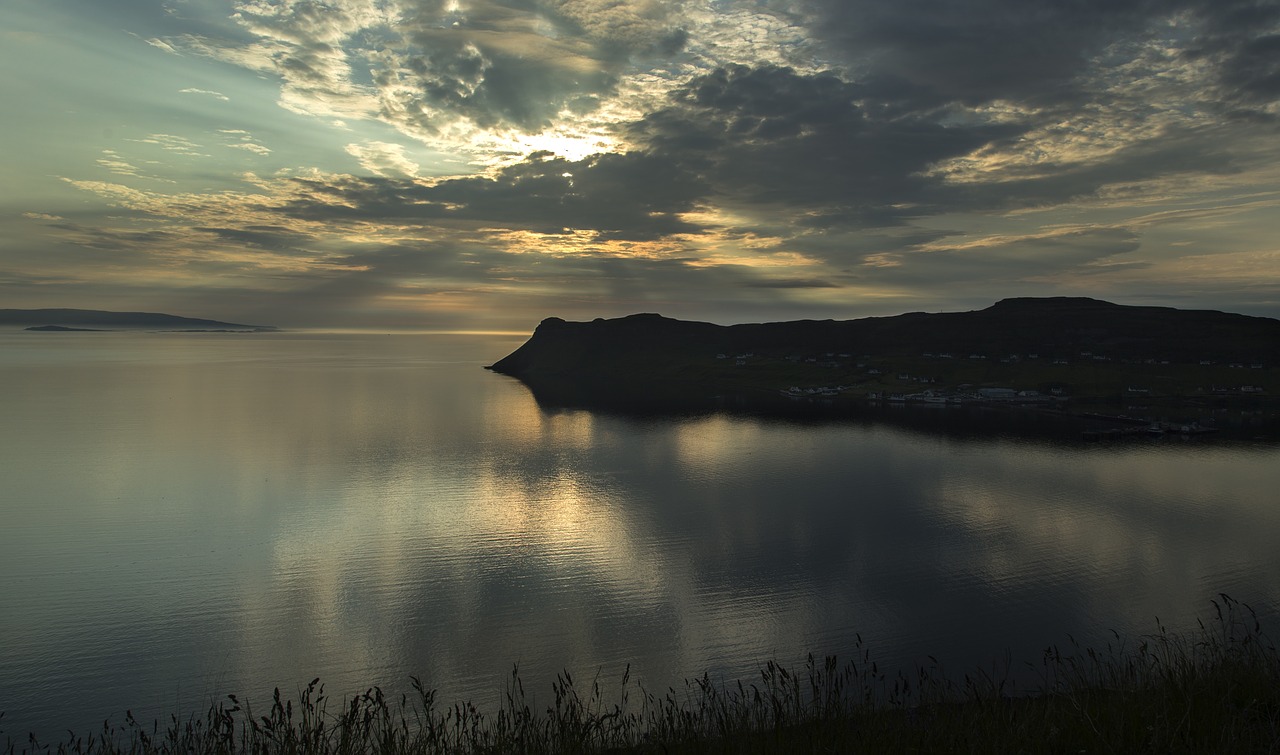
[{"x": 257, "y": 512}]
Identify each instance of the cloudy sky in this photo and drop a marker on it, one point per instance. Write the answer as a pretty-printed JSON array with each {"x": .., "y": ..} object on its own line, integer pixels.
[{"x": 482, "y": 164}]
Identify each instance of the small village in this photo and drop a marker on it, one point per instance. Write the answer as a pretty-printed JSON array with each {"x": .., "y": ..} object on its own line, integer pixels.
[{"x": 1055, "y": 384}]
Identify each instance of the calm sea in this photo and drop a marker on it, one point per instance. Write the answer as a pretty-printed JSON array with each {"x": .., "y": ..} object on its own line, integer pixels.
[{"x": 184, "y": 516}]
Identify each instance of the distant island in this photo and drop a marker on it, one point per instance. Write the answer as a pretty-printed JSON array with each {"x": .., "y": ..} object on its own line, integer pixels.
[
  {"x": 91, "y": 320},
  {"x": 1038, "y": 352},
  {"x": 64, "y": 329}
]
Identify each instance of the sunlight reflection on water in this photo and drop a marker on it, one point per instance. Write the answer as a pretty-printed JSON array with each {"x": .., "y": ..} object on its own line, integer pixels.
[{"x": 187, "y": 516}]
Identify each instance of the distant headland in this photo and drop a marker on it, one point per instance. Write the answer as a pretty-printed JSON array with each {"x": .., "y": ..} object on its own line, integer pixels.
[
  {"x": 91, "y": 320},
  {"x": 1042, "y": 352}
]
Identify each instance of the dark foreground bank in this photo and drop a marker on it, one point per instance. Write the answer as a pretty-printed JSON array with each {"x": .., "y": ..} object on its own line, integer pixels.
[{"x": 1217, "y": 691}]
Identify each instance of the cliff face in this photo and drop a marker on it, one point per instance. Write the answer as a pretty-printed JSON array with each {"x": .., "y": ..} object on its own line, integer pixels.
[{"x": 656, "y": 347}]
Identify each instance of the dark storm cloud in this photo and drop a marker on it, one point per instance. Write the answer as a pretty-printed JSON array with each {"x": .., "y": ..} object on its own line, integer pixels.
[
  {"x": 1036, "y": 51},
  {"x": 976, "y": 51},
  {"x": 446, "y": 261},
  {"x": 1253, "y": 69},
  {"x": 810, "y": 148},
  {"x": 618, "y": 196},
  {"x": 767, "y": 140},
  {"x": 1177, "y": 152},
  {"x": 22, "y": 278},
  {"x": 120, "y": 241},
  {"x": 378, "y": 270},
  {"x": 792, "y": 283},
  {"x": 1244, "y": 39},
  {"x": 806, "y": 152},
  {"x": 939, "y": 109},
  {"x": 1004, "y": 261},
  {"x": 271, "y": 237},
  {"x": 772, "y": 136}
]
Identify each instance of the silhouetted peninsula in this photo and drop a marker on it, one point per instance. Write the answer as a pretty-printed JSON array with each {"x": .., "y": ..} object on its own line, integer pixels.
[
  {"x": 63, "y": 329},
  {"x": 97, "y": 319},
  {"x": 1024, "y": 350}
]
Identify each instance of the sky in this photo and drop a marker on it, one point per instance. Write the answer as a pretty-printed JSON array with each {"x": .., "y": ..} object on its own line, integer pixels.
[{"x": 479, "y": 165}]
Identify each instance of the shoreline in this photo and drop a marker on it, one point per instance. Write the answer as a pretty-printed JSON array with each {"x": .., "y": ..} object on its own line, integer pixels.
[
  {"x": 1217, "y": 690},
  {"x": 1069, "y": 419},
  {"x": 1175, "y": 367}
]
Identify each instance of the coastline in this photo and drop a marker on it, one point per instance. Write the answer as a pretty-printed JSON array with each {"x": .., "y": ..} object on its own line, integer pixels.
[
  {"x": 1073, "y": 420},
  {"x": 1100, "y": 364}
]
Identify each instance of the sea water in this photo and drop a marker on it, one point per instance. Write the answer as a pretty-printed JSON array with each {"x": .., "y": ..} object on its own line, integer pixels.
[{"x": 184, "y": 516}]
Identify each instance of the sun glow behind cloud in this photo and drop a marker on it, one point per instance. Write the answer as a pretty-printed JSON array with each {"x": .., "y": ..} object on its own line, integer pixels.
[{"x": 518, "y": 160}]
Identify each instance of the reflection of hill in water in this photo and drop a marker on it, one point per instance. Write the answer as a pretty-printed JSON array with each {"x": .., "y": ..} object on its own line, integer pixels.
[
  {"x": 649, "y": 365},
  {"x": 963, "y": 422}
]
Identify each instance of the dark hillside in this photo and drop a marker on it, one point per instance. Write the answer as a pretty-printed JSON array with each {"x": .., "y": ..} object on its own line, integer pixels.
[
  {"x": 1049, "y": 328},
  {"x": 1046, "y": 351}
]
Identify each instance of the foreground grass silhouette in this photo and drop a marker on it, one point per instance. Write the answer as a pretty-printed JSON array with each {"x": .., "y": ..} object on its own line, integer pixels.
[{"x": 1217, "y": 691}]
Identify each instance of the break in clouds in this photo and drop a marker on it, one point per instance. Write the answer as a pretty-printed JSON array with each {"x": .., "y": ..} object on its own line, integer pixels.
[{"x": 504, "y": 161}]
